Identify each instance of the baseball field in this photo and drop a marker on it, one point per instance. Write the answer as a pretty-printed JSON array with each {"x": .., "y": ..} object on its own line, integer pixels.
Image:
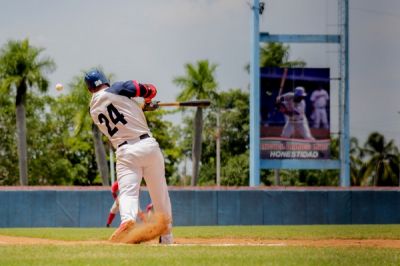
[{"x": 207, "y": 245}]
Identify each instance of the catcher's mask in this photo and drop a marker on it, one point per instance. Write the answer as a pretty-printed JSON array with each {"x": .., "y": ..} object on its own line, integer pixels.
[{"x": 95, "y": 78}]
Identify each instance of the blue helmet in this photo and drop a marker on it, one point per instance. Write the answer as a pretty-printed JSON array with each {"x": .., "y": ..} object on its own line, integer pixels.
[
  {"x": 95, "y": 78},
  {"x": 300, "y": 92}
]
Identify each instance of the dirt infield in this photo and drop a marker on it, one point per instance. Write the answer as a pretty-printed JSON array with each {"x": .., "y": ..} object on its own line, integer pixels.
[{"x": 377, "y": 243}]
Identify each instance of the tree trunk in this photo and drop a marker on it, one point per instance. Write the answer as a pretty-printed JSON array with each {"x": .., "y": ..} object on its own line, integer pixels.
[
  {"x": 196, "y": 148},
  {"x": 21, "y": 133},
  {"x": 101, "y": 156},
  {"x": 21, "y": 142},
  {"x": 277, "y": 179}
]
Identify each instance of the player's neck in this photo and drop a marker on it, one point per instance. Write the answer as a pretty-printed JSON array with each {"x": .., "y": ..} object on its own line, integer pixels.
[{"x": 99, "y": 88}]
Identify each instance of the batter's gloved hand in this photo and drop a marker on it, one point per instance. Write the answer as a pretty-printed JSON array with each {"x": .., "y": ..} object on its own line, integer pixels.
[
  {"x": 151, "y": 106},
  {"x": 151, "y": 92}
]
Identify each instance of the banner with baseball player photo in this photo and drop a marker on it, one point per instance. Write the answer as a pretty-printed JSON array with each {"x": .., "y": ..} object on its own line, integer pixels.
[{"x": 295, "y": 120}]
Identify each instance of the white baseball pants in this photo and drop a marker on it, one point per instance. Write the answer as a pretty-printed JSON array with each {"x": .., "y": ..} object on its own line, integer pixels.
[
  {"x": 300, "y": 126},
  {"x": 136, "y": 160}
]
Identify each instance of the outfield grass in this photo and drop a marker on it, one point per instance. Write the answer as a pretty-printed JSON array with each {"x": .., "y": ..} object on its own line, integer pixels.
[{"x": 99, "y": 254}]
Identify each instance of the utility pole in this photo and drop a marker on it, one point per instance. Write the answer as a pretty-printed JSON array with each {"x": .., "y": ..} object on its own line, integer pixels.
[{"x": 218, "y": 150}]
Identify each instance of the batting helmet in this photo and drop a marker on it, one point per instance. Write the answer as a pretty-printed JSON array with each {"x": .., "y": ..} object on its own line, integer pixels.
[
  {"x": 95, "y": 78},
  {"x": 299, "y": 92}
]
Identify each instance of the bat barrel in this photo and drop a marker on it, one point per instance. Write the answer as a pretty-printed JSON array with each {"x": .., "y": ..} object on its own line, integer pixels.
[{"x": 195, "y": 103}]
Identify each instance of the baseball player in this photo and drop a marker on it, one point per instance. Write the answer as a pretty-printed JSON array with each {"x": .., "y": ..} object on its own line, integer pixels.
[
  {"x": 320, "y": 99},
  {"x": 115, "y": 207},
  {"x": 293, "y": 106},
  {"x": 138, "y": 154}
]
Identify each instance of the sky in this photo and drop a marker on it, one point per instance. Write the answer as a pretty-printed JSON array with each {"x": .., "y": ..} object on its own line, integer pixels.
[{"x": 151, "y": 41}]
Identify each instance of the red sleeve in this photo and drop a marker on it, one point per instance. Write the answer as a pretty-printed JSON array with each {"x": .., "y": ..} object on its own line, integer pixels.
[
  {"x": 114, "y": 189},
  {"x": 137, "y": 87}
]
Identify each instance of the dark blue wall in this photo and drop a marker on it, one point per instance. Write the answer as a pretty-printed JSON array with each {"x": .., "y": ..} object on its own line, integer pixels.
[{"x": 89, "y": 208}]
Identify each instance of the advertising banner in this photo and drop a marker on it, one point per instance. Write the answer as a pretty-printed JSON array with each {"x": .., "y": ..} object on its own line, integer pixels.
[{"x": 295, "y": 117}]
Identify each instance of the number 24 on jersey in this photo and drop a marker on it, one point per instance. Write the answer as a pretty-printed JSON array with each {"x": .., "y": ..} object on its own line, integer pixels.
[{"x": 115, "y": 116}]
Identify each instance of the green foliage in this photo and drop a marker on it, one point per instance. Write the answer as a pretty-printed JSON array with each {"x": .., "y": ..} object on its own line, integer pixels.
[
  {"x": 8, "y": 146},
  {"x": 55, "y": 156},
  {"x": 167, "y": 136},
  {"x": 233, "y": 109},
  {"x": 72, "y": 158},
  {"x": 77, "y": 149},
  {"x": 197, "y": 83},
  {"x": 60, "y": 138},
  {"x": 382, "y": 166},
  {"x": 277, "y": 55},
  {"x": 23, "y": 68},
  {"x": 21, "y": 64},
  {"x": 235, "y": 171},
  {"x": 376, "y": 163},
  {"x": 60, "y": 141}
]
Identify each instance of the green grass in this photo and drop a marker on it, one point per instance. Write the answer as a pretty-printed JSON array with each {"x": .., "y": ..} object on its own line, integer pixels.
[
  {"x": 295, "y": 232},
  {"x": 257, "y": 232},
  {"x": 99, "y": 254}
]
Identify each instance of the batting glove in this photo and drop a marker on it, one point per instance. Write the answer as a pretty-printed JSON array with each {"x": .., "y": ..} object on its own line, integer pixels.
[
  {"x": 151, "y": 92},
  {"x": 151, "y": 106}
]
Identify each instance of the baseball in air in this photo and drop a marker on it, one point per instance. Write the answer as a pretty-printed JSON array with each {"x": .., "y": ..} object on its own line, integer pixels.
[{"x": 59, "y": 87}]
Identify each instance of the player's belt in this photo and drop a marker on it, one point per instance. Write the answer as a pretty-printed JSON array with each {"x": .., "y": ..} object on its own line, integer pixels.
[{"x": 144, "y": 136}]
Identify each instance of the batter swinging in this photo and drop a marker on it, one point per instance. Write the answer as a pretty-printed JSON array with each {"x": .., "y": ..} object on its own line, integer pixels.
[{"x": 122, "y": 120}]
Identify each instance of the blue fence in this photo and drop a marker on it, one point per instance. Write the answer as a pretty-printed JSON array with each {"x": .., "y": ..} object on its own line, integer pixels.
[{"x": 89, "y": 208}]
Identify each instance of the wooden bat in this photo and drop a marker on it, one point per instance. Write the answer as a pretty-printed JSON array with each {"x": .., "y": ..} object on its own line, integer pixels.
[
  {"x": 195, "y": 103},
  {"x": 283, "y": 79}
]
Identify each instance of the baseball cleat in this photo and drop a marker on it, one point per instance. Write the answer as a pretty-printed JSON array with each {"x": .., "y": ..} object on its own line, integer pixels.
[
  {"x": 166, "y": 239},
  {"x": 120, "y": 234}
]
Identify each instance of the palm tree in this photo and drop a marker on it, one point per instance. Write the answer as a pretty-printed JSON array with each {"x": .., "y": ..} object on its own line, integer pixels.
[
  {"x": 81, "y": 97},
  {"x": 277, "y": 55},
  {"x": 21, "y": 67},
  {"x": 357, "y": 165},
  {"x": 198, "y": 83},
  {"x": 383, "y": 163}
]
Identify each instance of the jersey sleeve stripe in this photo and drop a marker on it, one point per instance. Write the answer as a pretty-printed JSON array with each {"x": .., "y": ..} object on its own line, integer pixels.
[{"x": 137, "y": 88}]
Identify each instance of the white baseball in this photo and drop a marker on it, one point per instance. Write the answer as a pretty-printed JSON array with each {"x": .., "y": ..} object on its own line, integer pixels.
[{"x": 59, "y": 87}]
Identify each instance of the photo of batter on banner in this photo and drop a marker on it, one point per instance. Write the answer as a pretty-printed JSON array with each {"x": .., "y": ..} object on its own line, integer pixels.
[{"x": 294, "y": 112}]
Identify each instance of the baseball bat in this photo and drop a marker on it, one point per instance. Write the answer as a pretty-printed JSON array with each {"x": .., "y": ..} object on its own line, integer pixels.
[
  {"x": 195, "y": 103},
  {"x": 283, "y": 79}
]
